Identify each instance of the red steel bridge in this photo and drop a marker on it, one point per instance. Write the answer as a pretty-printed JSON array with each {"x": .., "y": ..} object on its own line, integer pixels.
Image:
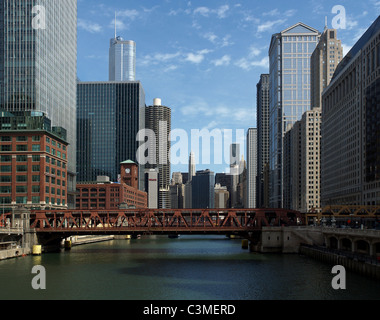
[{"x": 159, "y": 221}]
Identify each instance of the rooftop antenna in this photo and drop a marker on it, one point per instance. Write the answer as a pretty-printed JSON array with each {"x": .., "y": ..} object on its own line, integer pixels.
[{"x": 325, "y": 22}]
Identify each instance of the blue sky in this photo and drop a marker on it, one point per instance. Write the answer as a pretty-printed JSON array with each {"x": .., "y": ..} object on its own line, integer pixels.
[{"x": 204, "y": 58}]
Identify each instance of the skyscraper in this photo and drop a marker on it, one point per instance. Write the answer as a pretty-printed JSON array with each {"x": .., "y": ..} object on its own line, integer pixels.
[
  {"x": 122, "y": 59},
  {"x": 203, "y": 192},
  {"x": 158, "y": 120},
  {"x": 289, "y": 93},
  {"x": 110, "y": 114},
  {"x": 251, "y": 167},
  {"x": 350, "y": 156},
  {"x": 262, "y": 135},
  {"x": 324, "y": 60},
  {"x": 38, "y": 65},
  {"x": 192, "y": 169}
]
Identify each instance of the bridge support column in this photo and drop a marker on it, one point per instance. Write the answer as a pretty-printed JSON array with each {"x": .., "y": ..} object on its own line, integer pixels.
[{"x": 68, "y": 245}]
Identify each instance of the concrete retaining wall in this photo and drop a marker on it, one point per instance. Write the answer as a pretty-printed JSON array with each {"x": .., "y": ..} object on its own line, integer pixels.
[
  {"x": 14, "y": 253},
  {"x": 367, "y": 269}
]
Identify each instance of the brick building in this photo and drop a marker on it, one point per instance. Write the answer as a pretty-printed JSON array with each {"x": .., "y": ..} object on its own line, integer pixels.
[
  {"x": 106, "y": 195},
  {"x": 33, "y": 162}
]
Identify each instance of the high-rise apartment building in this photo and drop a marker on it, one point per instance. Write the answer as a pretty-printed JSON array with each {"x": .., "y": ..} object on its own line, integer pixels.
[
  {"x": 251, "y": 168},
  {"x": 38, "y": 65},
  {"x": 158, "y": 120},
  {"x": 110, "y": 114},
  {"x": 324, "y": 60},
  {"x": 289, "y": 94},
  {"x": 350, "y": 165},
  {"x": 122, "y": 60},
  {"x": 262, "y": 136}
]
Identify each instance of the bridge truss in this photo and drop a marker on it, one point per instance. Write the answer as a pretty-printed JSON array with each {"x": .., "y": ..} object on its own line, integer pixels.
[{"x": 159, "y": 221}]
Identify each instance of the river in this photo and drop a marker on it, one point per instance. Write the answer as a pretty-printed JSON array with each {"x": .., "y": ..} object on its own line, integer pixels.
[{"x": 188, "y": 268}]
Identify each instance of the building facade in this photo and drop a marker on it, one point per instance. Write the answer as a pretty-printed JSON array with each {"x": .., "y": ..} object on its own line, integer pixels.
[
  {"x": 110, "y": 114},
  {"x": 33, "y": 162},
  {"x": 203, "y": 194},
  {"x": 122, "y": 60},
  {"x": 106, "y": 195},
  {"x": 289, "y": 94},
  {"x": 324, "y": 60},
  {"x": 350, "y": 173},
  {"x": 38, "y": 66},
  {"x": 251, "y": 168},
  {"x": 158, "y": 121},
  {"x": 262, "y": 136}
]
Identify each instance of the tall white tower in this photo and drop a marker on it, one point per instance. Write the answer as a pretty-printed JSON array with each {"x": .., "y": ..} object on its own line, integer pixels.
[
  {"x": 191, "y": 166},
  {"x": 122, "y": 59}
]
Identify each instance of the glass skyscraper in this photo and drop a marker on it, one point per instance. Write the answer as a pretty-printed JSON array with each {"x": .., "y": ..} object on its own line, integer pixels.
[
  {"x": 110, "y": 114},
  {"x": 122, "y": 60},
  {"x": 289, "y": 94},
  {"x": 38, "y": 65}
]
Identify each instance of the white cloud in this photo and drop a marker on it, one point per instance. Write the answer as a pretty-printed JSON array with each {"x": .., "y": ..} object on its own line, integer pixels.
[
  {"x": 247, "y": 64},
  {"x": 197, "y": 57},
  {"x": 268, "y": 25},
  {"x": 223, "y": 61},
  {"x": 220, "y": 12},
  {"x": 89, "y": 26},
  {"x": 204, "y": 11},
  {"x": 158, "y": 58}
]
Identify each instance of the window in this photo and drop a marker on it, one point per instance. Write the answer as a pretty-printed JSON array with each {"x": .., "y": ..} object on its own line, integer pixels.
[
  {"x": 36, "y": 199},
  {"x": 21, "y": 200},
  {"x": 6, "y": 158},
  {"x": 21, "y": 179},
  {"x": 21, "y": 168},
  {"x": 36, "y": 158},
  {"x": 35, "y": 168},
  {"x": 47, "y": 149},
  {"x": 22, "y": 147},
  {"x": 21, "y": 158},
  {"x": 36, "y": 138},
  {"x": 36, "y": 178},
  {"x": 6, "y": 169},
  {"x": 21, "y": 139},
  {"x": 6, "y": 148},
  {"x": 21, "y": 189},
  {"x": 5, "y": 178},
  {"x": 36, "y": 189},
  {"x": 5, "y": 189},
  {"x": 6, "y": 139},
  {"x": 36, "y": 147}
]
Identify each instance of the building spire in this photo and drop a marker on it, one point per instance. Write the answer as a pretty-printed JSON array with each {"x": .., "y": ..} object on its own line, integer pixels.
[
  {"x": 326, "y": 23},
  {"x": 115, "y": 26}
]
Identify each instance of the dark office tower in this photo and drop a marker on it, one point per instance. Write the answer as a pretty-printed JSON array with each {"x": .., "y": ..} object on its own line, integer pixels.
[
  {"x": 158, "y": 119},
  {"x": 262, "y": 135},
  {"x": 203, "y": 195},
  {"x": 110, "y": 114},
  {"x": 38, "y": 60}
]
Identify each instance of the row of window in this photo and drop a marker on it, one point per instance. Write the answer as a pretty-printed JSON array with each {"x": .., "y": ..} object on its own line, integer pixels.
[
  {"x": 35, "y": 200},
  {"x": 20, "y": 147}
]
